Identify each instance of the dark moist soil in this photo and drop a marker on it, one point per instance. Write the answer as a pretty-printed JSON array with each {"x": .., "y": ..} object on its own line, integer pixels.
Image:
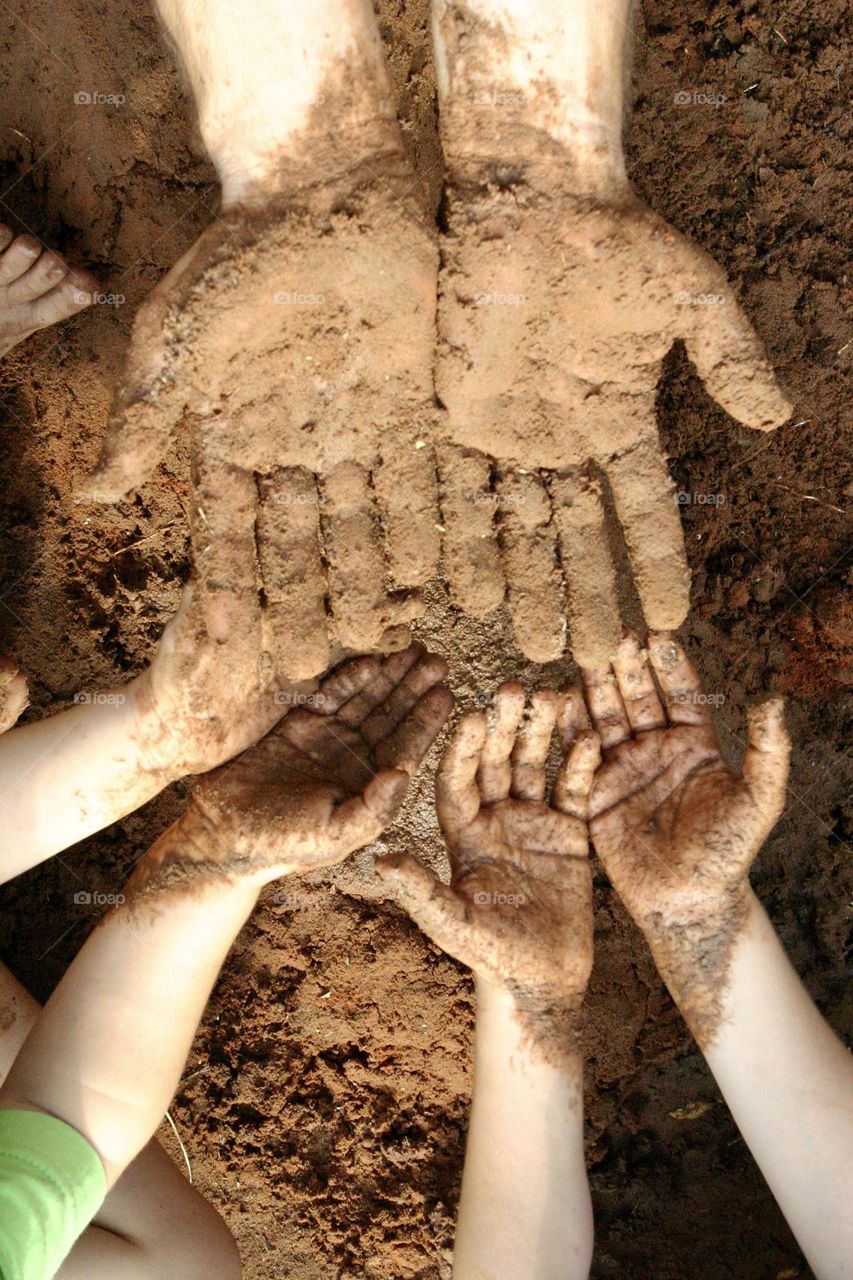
[{"x": 324, "y": 1103}]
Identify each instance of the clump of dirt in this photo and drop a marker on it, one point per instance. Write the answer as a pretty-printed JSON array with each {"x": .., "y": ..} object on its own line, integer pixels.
[{"x": 325, "y": 1101}]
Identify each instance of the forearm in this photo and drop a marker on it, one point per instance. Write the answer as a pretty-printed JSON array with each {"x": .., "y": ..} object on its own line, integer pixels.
[
  {"x": 525, "y": 1210},
  {"x": 108, "y": 1050},
  {"x": 269, "y": 75},
  {"x": 558, "y": 71},
  {"x": 70, "y": 775},
  {"x": 789, "y": 1083}
]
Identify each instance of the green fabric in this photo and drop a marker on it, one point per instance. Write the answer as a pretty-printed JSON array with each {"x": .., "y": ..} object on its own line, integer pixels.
[{"x": 52, "y": 1184}]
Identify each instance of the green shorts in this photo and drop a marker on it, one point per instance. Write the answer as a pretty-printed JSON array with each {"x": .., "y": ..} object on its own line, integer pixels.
[{"x": 52, "y": 1184}]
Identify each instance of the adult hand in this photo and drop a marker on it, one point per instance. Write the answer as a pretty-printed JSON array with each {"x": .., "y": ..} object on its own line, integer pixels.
[{"x": 555, "y": 315}]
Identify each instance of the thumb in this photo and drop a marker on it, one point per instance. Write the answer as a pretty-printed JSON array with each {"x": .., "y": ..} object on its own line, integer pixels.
[
  {"x": 361, "y": 819},
  {"x": 727, "y": 352},
  {"x": 765, "y": 765},
  {"x": 145, "y": 408},
  {"x": 14, "y": 693},
  {"x": 432, "y": 905}
]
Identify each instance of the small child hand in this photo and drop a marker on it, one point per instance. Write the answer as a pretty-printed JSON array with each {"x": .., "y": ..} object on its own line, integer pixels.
[
  {"x": 201, "y": 702},
  {"x": 326, "y": 781},
  {"x": 675, "y": 829},
  {"x": 518, "y": 909}
]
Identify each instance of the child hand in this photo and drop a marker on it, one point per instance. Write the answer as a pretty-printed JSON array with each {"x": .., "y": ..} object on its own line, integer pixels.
[
  {"x": 518, "y": 909},
  {"x": 675, "y": 829},
  {"x": 201, "y": 702},
  {"x": 327, "y": 780}
]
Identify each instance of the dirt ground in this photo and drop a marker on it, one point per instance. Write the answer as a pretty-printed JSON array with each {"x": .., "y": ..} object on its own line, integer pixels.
[{"x": 323, "y": 1108}]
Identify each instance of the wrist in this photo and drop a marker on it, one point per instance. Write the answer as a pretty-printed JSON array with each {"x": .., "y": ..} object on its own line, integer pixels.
[
  {"x": 692, "y": 949},
  {"x": 544, "y": 1027},
  {"x": 155, "y": 740}
]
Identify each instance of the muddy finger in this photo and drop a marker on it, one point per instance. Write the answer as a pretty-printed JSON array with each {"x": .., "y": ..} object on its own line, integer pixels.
[
  {"x": 457, "y": 796},
  {"x": 388, "y": 676},
  {"x": 528, "y": 542},
  {"x": 645, "y": 500},
  {"x": 573, "y": 783},
  {"x": 472, "y": 563},
  {"x": 428, "y": 670},
  {"x": 292, "y": 574},
  {"x": 407, "y": 488},
  {"x": 637, "y": 686},
  {"x": 608, "y": 715},
  {"x": 530, "y": 753},
  {"x": 222, "y": 528},
  {"x": 592, "y": 603},
  {"x": 572, "y": 715},
  {"x": 361, "y": 607},
  {"x": 494, "y": 777},
  {"x": 678, "y": 678},
  {"x": 406, "y": 747}
]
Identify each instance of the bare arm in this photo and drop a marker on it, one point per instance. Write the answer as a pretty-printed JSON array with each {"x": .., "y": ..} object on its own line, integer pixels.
[
  {"x": 106, "y": 1054},
  {"x": 519, "y": 912},
  {"x": 71, "y": 774},
  {"x": 677, "y": 832}
]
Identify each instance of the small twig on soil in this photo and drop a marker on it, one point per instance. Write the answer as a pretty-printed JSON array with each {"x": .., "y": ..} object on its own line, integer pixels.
[
  {"x": 181, "y": 1145},
  {"x": 139, "y": 542},
  {"x": 806, "y": 497}
]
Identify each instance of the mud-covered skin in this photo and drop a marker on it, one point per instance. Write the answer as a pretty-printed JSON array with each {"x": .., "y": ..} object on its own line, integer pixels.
[
  {"x": 325, "y": 781},
  {"x": 675, "y": 828},
  {"x": 14, "y": 693},
  {"x": 297, "y": 338},
  {"x": 555, "y": 314},
  {"x": 518, "y": 910}
]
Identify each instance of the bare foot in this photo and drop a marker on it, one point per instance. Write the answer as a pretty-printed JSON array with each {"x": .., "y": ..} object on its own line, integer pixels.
[
  {"x": 37, "y": 288},
  {"x": 555, "y": 315}
]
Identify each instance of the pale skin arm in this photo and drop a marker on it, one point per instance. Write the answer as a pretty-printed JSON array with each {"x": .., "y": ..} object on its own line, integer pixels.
[
  {"x": 677, "y": 833},
  {"x": 107, "y": 1052},
  {"x": 788, "y": 1080},
  {"x": 566, "y": 64},
  {"x": 519, "y": 912},
  {"x": 198, "y": 703}
]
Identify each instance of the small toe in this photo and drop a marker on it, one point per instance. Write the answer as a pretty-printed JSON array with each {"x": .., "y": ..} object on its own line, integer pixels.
[
  {"x": 18, "y": 258},
  {"x": 49, "y": 270}
]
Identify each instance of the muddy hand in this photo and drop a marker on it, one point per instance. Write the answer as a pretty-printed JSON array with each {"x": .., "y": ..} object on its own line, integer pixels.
[
  {"x": 297, "y": 339},
  {"x": 675, "y": 828},
  {"x": 327, "y": 780},
  {"x": 554, "y": 320},
  {"x": 518, "y": 909}
]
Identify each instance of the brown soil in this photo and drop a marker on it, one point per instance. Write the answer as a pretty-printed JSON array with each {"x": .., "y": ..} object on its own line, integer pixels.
[{"x": 324, "y": 1104}]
